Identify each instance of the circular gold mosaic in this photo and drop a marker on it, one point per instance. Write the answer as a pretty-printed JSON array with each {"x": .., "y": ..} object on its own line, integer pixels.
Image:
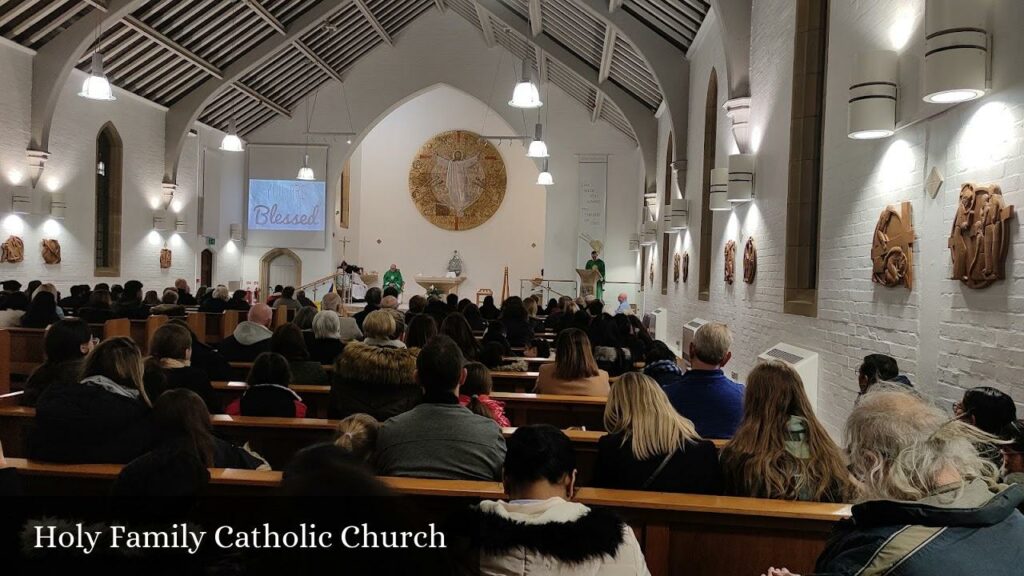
[{"x": 457, "y": 180}]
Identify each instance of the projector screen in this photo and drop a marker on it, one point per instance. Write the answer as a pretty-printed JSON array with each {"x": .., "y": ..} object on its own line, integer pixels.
[{"x": 282, "y": 211}]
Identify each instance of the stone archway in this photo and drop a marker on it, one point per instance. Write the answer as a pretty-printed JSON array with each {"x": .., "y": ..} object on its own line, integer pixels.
[{"x": 289, "y": 261}]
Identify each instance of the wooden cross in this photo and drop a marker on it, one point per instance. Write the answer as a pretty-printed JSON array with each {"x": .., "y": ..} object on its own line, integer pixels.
[{"x": 344, "y": 245}]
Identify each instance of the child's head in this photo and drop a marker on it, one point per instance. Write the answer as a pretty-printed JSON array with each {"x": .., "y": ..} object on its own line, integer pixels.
[
  {"x": 538, "y": 348},
  {"x": 357, "y": 436},
  {"x": 478, "y": 383}
]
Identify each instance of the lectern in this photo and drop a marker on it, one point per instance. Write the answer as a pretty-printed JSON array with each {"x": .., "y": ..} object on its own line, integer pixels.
[{"x": 588, "y": 281}]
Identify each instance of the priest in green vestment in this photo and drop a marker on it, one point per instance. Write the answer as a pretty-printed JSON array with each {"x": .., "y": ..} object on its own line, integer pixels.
[
  {"x": 393, "y": 277},
  {"x": 596, "y": 262}
]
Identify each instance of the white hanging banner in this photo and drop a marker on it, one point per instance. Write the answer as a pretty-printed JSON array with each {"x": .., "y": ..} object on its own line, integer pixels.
[{"x": 593, "y": 198}]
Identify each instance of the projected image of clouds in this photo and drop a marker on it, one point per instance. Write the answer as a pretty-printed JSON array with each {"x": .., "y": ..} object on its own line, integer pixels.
[{"x": 286, "y": 205}]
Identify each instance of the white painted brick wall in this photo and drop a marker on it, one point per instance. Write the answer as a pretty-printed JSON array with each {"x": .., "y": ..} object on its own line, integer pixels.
[{"x": 945, "y": 336}]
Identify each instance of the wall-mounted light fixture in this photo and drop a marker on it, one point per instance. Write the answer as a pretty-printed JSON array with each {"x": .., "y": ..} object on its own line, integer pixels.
[
  {"x": 236, "y": 232},
  {"x": 680, "y": 214},
  {"x": 179, "y": 226},
  {"x": 21, "y": 201},
  {"x": 634, "y": 242},
  {"x": 650, "y": 233},
  {"x": 58, "y": 206},
  {"x": 873, "y": 84},
  {"x": 741, "y": 178},
  {"x": 956, "y": 51},
  {"x": 159, "y": 221},
  {"x": 718, "y": 199}
]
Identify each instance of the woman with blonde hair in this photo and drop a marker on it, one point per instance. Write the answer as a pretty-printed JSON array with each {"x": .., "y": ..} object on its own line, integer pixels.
[
  {"x": 357, "y": 436},
  {"x": 379, "y": 327},
  {"x": 104, "y": 418},
  {"x": 349, "y": 328},
  {"x": 574, "y": 371},
  {"x": 781, "y": 449},
  {"x": 649, "y": 446}
]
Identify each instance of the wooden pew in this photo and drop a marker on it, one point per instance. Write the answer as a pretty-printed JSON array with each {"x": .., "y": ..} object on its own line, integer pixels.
[
  {"x": 276, "y": 439},
  {"x": 534, "y": 363},
  {"x": 141, "y": 331},
  {"x": 211, "y": 328},
  {"x": 514, "y": 381},
  {"x": 522, "y": 408},
  {"x": 679, "y": 533}
]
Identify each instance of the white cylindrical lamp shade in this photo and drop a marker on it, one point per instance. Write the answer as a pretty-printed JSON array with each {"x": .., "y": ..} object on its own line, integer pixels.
[
  {"x": 741, "y": 178},
  {"x": 719, "y": 190},
  {"x": 955, "y": 51},
  {"x": 872, "y": 106},
  {"x": 680, "y": 214},
  {"x": 235, "y": 230},
  {"x": 58, "y": 206},
  {"x": 650, "y": 233}
]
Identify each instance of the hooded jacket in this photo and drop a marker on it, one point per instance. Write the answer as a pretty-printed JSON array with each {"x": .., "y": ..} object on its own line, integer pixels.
[
  {"x": 247, "y": 342},
  {"x": 954, "y": 532},
  {"x": 374, "y": 380},
  {"x": 95, "y": 421},
  {"x": 555, "y": 536}
]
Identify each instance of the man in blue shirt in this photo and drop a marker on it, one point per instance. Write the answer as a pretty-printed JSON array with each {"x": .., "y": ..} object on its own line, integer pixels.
[
  {"x": 703, "y": 394},
  {"x": 623, "y": 304}
]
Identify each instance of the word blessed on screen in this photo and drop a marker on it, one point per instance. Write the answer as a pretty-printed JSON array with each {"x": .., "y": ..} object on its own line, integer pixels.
[{"x": 286, "y": 205}]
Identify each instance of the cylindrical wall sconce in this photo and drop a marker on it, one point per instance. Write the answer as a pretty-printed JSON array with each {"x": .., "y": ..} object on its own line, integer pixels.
[
  {"x": 160, "y": 221},
  {"x": 955, "y": 51},
  {"x": 634, "y": 243},
  {"x": 58, "y": 206},
  {"x": 872, "y": 110},
  {"x": 650, "y": 233},
  {"x": 680, "y": 214},
  {"x": 21, "y": 201},
  {"x": 236, "y": 232},
  {"x": 179, "y": 226},
  {"x": 741, "y": 178},
  {"x": 719, "y": 200}
]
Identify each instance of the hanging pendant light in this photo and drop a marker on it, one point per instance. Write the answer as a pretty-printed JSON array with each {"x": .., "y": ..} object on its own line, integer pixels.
[
  {"x": 306, "y": 173},
  {"x": 544, "y": 178},
  {"x": 537, "y": 149},
  {"x": 231, "y": 141},
  {"x": 525, "y": 94},
  {"x": 96, "y": 86}
]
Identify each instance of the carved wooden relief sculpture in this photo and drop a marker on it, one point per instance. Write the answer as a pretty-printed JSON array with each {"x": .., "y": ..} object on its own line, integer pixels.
[
  {"x": 165, "y": 258},
  {"x": 980, "y": 236},
  {"x": 892, "y": 249},
  {"x": 51, "y": 251},
  {"x": 12, "y": 250},
  {"x": 749, "y": 261},
  {"x": 676, "y": 261},
  {"x": 730, "y": 261},
  {"x": 686, "y": 266}
]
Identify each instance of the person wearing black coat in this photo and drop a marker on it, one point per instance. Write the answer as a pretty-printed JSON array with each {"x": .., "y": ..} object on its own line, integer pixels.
[
  {"x": 649, "y": 446},
  {"x": 237, "y": 302},
  {"x": 106, "y": 418},
  {"x": 169, "y": 367},
  {"x": 66, "y": 342}
]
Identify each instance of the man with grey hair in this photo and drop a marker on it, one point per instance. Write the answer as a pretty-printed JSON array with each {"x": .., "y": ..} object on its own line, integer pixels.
[
  {"x": 929, "y": 503},
  {"x": 704, "y": 394}
]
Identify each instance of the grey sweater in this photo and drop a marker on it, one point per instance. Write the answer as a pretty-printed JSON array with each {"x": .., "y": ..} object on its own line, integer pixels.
[{"x": 441, "y": 441}]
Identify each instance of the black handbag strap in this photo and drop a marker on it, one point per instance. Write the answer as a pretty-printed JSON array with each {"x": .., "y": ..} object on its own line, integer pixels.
[{"x": 650, "y": 480}]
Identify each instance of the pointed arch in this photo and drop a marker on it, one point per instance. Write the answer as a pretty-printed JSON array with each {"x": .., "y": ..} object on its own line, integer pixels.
[
  {"x": 109, "y": 171},
  {"x": 706, "y": 222}
]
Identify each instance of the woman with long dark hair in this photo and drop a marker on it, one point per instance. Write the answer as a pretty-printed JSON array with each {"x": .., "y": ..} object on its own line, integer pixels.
[
  {"x": 781, "y": 450},
  {"x": 456, "y": 328},
  {"x": 182, "y": 420},
  {"x": 41, "y": 312},
  {"x": 488, "y": 310},
  {"x": 66, "y": 343}
]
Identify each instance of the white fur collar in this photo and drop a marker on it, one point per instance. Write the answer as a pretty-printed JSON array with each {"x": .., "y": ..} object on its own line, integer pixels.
[{"x": 537, "y": 512}]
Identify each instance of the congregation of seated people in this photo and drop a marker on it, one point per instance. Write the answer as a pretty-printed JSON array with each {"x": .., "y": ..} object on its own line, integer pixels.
[{"x": 413, "y": 395}]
